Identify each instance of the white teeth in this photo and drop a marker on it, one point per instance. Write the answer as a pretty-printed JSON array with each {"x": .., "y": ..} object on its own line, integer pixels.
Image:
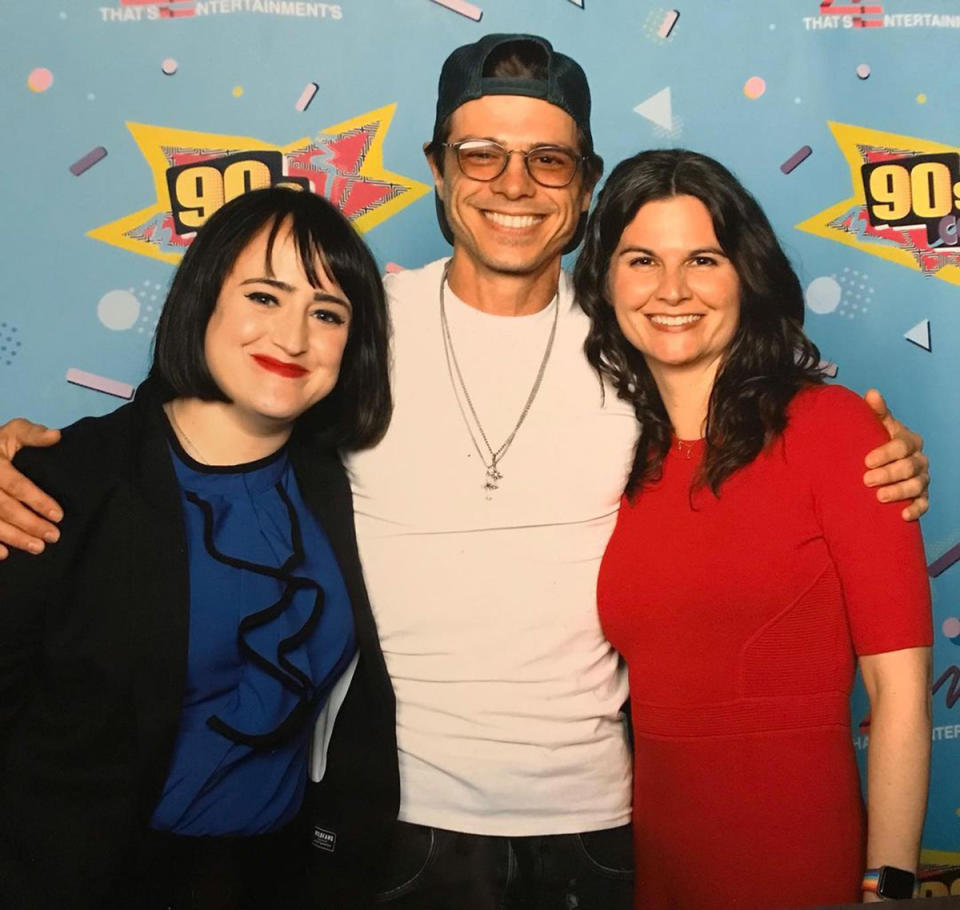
[
  {"x": 675, "y": 320},
  {"x": 513, "y": 221}
]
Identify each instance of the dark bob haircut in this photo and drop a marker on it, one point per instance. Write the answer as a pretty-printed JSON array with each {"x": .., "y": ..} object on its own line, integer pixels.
[
  {"x": 356, "y": 412},
  {"x": 769, "y": 359}
]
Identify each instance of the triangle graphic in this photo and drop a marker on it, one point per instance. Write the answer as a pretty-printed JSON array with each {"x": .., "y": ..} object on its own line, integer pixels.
[
  {"x": 920, "y": 335},
  {"x": 657, "y": 109},
  {"x": 348, "y": 150},
  {"x": 364, "y": 195}
]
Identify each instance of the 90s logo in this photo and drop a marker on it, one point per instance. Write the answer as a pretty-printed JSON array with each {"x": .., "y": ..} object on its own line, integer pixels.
[
  {"x": 198, "y": 190},
  {"x": 920, "y": 190}
]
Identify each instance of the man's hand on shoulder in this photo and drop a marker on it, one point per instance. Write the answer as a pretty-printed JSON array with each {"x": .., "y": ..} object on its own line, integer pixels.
[
  {"x": 898, "y": 469},
  {"x": 24, "y": 507}
]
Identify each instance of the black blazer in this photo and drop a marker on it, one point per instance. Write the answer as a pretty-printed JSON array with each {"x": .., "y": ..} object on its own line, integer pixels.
[{"x": 93, "y": 646}]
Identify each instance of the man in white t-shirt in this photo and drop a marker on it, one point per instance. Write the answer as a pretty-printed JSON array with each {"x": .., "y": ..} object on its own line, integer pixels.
[{"x": 483, "y": 514}]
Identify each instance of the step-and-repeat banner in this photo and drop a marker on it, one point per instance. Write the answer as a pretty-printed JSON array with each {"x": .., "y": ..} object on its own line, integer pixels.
[{"x": 127, "y": 122}]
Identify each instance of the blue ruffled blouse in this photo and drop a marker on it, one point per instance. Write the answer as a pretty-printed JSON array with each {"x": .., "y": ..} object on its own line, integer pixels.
[{"x": 271, "y": 630}]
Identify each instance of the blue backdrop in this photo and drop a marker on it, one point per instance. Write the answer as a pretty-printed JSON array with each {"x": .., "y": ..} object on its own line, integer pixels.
[{"x": 126, "y": 123}]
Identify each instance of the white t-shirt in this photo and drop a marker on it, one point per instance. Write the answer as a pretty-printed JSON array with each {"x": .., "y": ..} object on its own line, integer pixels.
[{"x": 508, "y": 694}]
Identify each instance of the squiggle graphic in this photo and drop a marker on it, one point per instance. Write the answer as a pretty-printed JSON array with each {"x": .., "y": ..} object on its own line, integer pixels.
[{"x": 953, "y": 690}]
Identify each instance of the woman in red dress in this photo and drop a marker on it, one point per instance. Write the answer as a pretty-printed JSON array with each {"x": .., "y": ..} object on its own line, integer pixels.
[{"x": 750, "y": 571}]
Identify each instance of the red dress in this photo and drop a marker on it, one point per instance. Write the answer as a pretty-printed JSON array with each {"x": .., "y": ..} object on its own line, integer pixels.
[{"x": 740, "y": 618}]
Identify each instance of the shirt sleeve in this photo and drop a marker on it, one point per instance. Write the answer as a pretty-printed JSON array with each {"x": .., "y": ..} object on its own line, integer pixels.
[
  {"x": 879, "y": 557},
  {"x": 25, "y": 584}
]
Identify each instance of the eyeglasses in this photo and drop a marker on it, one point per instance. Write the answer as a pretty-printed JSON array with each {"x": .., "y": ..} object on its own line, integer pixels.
[{"x": 549, "y": 165}]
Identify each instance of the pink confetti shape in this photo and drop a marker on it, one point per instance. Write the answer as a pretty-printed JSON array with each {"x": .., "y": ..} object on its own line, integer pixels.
[
  {"x": 100, "y": 383},
  {"x": 462, "y": 7},
  {"x": 306, "y": 96},
  {"x": 669, "y": 21}
]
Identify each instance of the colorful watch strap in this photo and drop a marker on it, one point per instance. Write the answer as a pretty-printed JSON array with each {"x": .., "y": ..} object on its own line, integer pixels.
[{"x": 871, "y": 878}]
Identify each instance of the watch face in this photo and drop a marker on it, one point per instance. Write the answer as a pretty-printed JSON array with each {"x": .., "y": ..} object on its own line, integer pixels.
[{"x": 895, "y": 884}]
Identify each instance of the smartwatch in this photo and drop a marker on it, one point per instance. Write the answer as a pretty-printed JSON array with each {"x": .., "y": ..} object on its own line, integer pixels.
[{"x": 890, "y": 883}]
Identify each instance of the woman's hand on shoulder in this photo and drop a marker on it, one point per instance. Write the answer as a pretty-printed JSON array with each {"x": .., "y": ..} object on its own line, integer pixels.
[
  {"x": 27, "y": 514},
  {"x": 898, "y": 469}
]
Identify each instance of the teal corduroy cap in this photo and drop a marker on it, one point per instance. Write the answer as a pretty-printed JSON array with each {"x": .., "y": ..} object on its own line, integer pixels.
[{"x": 462, "y": 80}]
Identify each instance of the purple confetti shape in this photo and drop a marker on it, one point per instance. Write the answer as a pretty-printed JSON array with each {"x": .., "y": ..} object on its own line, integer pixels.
[
  {"x": 88, "y": 160},
  {"x": 801, "y": 154}
]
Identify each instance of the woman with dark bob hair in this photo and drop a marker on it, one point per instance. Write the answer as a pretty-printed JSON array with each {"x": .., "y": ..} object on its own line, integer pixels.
[
  {"x": 170, "y": 674},
  {"x": 749, "y": 571}
]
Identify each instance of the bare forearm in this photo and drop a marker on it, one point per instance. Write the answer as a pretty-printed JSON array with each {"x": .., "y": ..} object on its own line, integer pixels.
[{"x": 897, "y": 777}]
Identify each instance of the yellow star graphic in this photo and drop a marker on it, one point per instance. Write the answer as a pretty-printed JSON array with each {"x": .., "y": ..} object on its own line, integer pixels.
[
  {"x": 847, "y": 222},
  {"x": 344, "y": 163}
]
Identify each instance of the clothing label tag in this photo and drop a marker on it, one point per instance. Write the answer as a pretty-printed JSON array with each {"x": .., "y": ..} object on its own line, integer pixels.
[{"x": 324, "y": 840}]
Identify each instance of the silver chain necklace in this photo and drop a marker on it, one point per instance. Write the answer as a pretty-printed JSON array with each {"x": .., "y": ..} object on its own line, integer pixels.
[{"x": 453, "y": 368}]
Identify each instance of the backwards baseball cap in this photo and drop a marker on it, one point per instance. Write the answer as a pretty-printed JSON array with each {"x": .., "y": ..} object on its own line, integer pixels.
[{"x": 564, "y": 85}]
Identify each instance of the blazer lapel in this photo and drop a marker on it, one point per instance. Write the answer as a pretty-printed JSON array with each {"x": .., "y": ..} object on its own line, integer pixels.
[
  {"x": 323, "y": 482},
  {"x": 163, "y": 609}
]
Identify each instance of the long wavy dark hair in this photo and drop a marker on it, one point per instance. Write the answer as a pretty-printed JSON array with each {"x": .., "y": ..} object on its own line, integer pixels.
[{"x": 769, "y": 358}]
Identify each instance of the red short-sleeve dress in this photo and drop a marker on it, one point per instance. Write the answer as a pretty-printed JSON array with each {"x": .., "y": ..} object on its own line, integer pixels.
[{"x": 741, "y": 618}]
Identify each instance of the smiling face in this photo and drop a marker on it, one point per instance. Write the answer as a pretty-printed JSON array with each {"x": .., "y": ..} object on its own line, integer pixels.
[
  {"x": 675, "y": 293},
  {"x": 274, "y": 342},
  {"x": 511, "y": 224}
]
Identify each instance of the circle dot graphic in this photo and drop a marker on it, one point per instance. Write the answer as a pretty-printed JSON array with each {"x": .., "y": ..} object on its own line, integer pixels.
[
  {"x": 169, "y": 66},
  {"x": 237, "y": 91},
  {"x": 863, "y": 71},
  {"x": 754, "y": 87},
  {"x": 118, "y": 310},
  {"x": 951, "y": 627},
  {"x": 823, "y": 294},
  {"x": 39, "y": 79},
  {"x": 921, "y": 98}
]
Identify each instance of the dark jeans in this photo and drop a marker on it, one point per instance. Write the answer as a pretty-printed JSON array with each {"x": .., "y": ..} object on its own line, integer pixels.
[
  {"x": 214, "y": 873},
  {"x": 434, "y": 869}
]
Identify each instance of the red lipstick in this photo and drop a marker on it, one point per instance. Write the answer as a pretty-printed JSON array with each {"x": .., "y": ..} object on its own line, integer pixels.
[{"x": 280, "y": 367}]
